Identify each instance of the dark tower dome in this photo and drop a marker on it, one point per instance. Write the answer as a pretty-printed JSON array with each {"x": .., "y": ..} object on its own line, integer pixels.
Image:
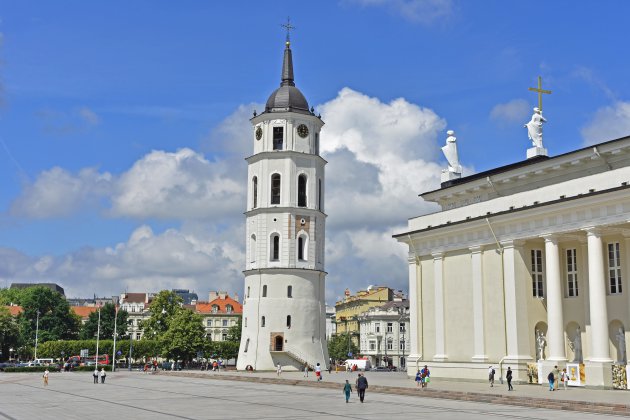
[{"x": 287, "y": 97}]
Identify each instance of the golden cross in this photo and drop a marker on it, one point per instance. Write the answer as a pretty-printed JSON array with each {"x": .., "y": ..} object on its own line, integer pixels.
[
  {"x": 288, "y": 27},
  {"x": 540, "y": 91}
]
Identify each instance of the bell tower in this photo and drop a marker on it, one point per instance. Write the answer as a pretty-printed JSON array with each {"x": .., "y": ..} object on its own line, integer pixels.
[{"x": 284, "y": 306}]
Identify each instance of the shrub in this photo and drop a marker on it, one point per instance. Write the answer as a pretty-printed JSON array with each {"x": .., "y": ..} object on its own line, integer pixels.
[
  {"x": 108, "y": 368},
  {"x": 31, "y": 369}
]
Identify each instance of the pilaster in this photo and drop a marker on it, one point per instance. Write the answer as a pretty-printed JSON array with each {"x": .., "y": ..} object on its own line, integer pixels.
[
  {"x": 479, "y": 350},
  {"x": 440, "y": 335}
]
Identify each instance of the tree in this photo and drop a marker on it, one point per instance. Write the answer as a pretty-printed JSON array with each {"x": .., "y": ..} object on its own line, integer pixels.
[
  {"x": 9, "y": 333},
  {"x": 185, "y": 336},
  {"x": 10, "y": 296},
  {"x": 108, "y": 311},
  {"x": 163, "y": 308},
  {"x": 234, "y": 333},
  {"x": 339, "y": 345}
]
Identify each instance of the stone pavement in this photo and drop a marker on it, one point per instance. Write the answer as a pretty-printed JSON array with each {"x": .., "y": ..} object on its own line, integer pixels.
[{"x": 207, "y": 395}]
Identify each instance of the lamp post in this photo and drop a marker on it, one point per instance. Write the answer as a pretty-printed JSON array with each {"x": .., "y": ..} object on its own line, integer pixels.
[
  {"x": 98, "y": 334},
  {"x": 36, "y": 332},
  {"x": 114, "y": 351}
]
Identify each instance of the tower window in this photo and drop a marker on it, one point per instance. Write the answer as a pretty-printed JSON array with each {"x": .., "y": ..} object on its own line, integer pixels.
[
  {"x": 302, "y": 190},
  {"x": 245, "y": 322},
  {"x": 247, "y": 291},
  {"x": 290, "y": 291},
  {"x": 319, "y": 195},
  {"x": 278, "y": 138},
  {"x": 537, "y": 273},
  {"x": 614, "y": 268},
  {"x": 252, "y": 250},
  {"x": 246, "y": 346},
  {"x": 275, "y": 189},
  {"x": 264, "y": 293},
  {"x": 302, "y": 248},
  {"x": 275, "y": 247},
  {"x": 288, "y": 321},
  {"x": 317, "y": 143},
  {"x": 255, "y": 191},
  {"x": 262, "y": 321}
]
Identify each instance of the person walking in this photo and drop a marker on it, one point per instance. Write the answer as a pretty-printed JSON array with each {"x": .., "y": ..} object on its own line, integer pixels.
[
  {"x": 418, "y": 379},
  {"x": 556, "y": 377},
  {"x": 425, "y": 376},
  {"x": 491, "y": 373},
  {"x": 347, "y": 389},
  {"x": 306, "y": 370},
  {"x": 564, "y": 377},
  {"x": 362, "y": 385},
  {"x": 551, "y": 381},
  {"x": 318, "y": 372},
  {"x": 508, "y": 376},
  {"x": 103, "y": 375},
  {"x": 46, "y": 372},
  {"x": 95, "y": 375},
  {"x": 279, "y": 369}
]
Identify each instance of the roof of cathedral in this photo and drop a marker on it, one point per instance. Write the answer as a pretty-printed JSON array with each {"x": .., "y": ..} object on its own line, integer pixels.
[{"x": 287, "y": 97}]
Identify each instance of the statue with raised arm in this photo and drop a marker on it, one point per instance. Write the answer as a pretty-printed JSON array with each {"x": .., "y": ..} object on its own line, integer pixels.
[
  {"x": 535, "y": 128},
  {"x": 621, "y": 341},
  {"x": 576, "y": 345},
  {"x": 541, "y": 342},
  {"x": 450, "y": 153}
]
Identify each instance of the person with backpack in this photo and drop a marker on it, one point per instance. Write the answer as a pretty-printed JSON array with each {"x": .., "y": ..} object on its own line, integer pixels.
[
  {"x": 550, "y": 378},
  {"x": 491, "y": 373}
]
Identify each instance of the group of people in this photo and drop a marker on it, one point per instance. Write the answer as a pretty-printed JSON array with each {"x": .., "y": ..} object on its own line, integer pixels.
[
  {"x": 508, "y": 377},
  {"x": 361, "y": 385},
  {"x": 96, "y": 374},
  {"x": 556, "y": 376},
  {"x": 423, "y": 377}
]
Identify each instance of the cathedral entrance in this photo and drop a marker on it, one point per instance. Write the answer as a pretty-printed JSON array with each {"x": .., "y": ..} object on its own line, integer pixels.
[{"x": 278, "y": 341}]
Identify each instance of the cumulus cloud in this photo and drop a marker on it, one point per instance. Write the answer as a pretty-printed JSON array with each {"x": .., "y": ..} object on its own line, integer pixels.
[
  {"x": 420, "y": 11},
  {"x": 514, "y": 111},
  {"x": 608, "y": 123}
]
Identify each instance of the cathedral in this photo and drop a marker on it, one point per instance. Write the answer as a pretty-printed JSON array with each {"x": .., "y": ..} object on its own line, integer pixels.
[
  {"x": 284, "y": 308},
  {"x": 525, "y": 267}
]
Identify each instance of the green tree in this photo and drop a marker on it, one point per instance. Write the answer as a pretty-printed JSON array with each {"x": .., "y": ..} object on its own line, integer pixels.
[
  {"x": 9, "y": 333},
  {"x": 164, "y": 306},
  {"x": 11, "y": 296},
  {"x": 234, "y": 333},
  {"x": 185, "y": 336},
  {"x": 223, "y": 349},
  {"x": 56, "y": 319},
  {"x": 339, "y": 345},
  {"x": 108, "y": 311}
]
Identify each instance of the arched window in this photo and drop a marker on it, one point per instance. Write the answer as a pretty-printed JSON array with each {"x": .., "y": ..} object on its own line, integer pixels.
[
  {"x": 319, "y": 195},
  {"x": 246, "y": 346},
  {"x": 275, "y": 189},
  {"x": 264, "y": 294},
  {"x": 275, "y": 247},
  {"x": 302, "y": 190},
  {"x": 302, "y": 248},
  {"x": 262, "y": 321},
  {"x": 289, "y": 291},
  {"x": 255, "y": 191},
  {"x": 247, "y": 291},
  {"x": 252, "y": 249},
  {"x": 288, "y": 321}
]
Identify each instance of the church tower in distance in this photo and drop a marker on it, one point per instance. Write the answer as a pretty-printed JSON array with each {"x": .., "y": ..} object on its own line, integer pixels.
[{"x": 284, "y": 307}]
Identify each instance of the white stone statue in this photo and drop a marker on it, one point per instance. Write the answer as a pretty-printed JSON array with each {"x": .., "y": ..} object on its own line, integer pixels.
[
  {"x": 541, "y": 343},
  {"x": 535, "y": 128},
  {"x": 621, "y": 341},
  {"x": 450, "y": 153},
  {"x": 576, "y": 346}
]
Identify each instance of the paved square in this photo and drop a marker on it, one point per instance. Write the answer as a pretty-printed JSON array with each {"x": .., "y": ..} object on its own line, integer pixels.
[{"x": 136, "y": 395}]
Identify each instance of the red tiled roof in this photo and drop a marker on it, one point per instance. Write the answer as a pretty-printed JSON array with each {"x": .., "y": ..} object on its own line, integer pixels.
[
  {"x": 206, "y": 307},
  {"x": 135, "y": 297},
  {"x": 14, "y": 310},
  {"x": 83, "y": 311}
]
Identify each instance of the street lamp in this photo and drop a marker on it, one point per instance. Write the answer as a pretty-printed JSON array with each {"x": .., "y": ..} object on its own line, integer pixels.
[{"x": 36, "y": 332}]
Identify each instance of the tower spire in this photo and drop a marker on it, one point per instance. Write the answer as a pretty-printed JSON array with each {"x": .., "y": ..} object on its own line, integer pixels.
[{"x": 287, "y": 63}]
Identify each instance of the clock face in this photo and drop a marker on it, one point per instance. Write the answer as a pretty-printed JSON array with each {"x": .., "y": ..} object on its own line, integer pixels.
[
  {"x": 258, "y": 133},
  {"x": 302, "y": 130}
]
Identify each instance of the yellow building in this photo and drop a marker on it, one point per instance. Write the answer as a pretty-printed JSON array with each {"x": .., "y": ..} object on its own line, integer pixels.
[{"x": 349, "y": 309}]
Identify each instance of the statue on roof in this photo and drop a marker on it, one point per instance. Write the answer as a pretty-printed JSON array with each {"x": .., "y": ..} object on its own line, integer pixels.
[
  {"x": 450, "y": 153},
  {"x": 535, "y": 128}
]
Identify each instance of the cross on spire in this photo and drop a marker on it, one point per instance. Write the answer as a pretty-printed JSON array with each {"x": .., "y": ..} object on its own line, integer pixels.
[
  {"x": 288, "y": 27},
  {"x": 540, "y": 91}
]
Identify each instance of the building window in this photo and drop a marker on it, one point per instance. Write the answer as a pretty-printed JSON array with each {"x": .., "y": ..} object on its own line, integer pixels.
[
  {"x": 228, "y": 309},
  {"x": 302, "y": 190},
  {"x": 209, "y": 322},
  {"x": 572, "y": 273},
  {"x": 401, "y": 327},
  {"x": 390, "y": 344},
  {"x": 537, "y": 273},
  {"x": 378, "y": 327},
  {"x": 302, "y": 242},
  {"x": 275, "y": 189},
  {"x": 288, "y": 321},
  {"x": 264, "y": 294},
  {"x": 138, "y": 336},
  {"x": 278, "y": 138},
  {"x": 262, "y": 321},
  {"x": 372, "y": 345},
  {"x": 401, "y": 345},
  {"x": 224, "y": 336},
  {"x": 290, "y": 291},
  {"x": 252, "y": 249},
  {"x": 225, "y": 322},
  {"x": 614, "y": 268},
  {"x": 275, "y": 247},
  {"x": 390, "y": 327},
  {"x": 246, "y": 346},
  {"x": 255, "y": 191},
  {"x": 319, "y": 195}
]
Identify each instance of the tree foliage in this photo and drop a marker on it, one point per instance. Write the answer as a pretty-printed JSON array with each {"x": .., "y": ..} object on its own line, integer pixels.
[
  {"x": 222, "y": 349},
  {"x": 185, "y": 336},
  {"x": 108, "y": 311},
  {"x": 142, "y": 349},
  {"x": 164, "y": 306},
  {"x": 234, "y": 333},
  {"x": 9, "y": 333},
  {"x": 339, "y": 345}
]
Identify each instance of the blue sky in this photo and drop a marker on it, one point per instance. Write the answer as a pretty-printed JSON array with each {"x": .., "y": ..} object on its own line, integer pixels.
[{"x": 124, "y": 125}]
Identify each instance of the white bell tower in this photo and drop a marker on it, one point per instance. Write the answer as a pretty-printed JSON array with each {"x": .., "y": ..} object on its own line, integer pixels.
[{"x": 284, "y": 306}]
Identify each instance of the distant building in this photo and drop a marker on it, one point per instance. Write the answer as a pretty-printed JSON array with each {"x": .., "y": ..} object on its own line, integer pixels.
[
  {"x": 95, "y": 301},
  {"x": 137, "y": 307},
  {"x": 84, "y": 312},
  {"x": 189, "y": 298},
  {"x": 220, "y": 313},
  {"x": 52, "y": 286},
  {"x": 349, "y": 308},
  {"x": 331, "y": 326}
]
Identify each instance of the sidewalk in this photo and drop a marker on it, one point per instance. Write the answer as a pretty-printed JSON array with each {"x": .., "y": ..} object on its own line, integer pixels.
[{"x": 573, "y": 399}]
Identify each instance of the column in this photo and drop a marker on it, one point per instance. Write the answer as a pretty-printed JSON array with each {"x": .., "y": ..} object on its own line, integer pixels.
[
  {"x": 440, "y": 339},
  {"x": 600, "y": 351},
  {"x": 516, "y": 319},
  {"x": 555, "y": 322},
  {"x": 479, "y": 350},
  {"x": 415, "y": 316}
]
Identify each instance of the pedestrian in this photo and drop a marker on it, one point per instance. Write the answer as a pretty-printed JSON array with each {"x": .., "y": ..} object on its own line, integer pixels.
[
  {"x": 551, "y": 380},
  {"x": 278, "y": 369},
  {"x": 491, "y": 373},
  {"x": 95, "y": 375},
  {"x": 564, "y": 377},
  {"x": 362, "y": 384},
  {"x": 103, "y": 375},
  {"x": 318, "y": 372},
  {"x": 356, "y": 384},
  {"x": 425, "y": 376},
  {"x": 508, "y": 376},
  {"x": 418, "y": 379},
  {"x": 306, "y": 370},
  {"x": 347, "y": 389},
  {"x": 329, "y": 368},
  {"x": 46, "y": 377},
  {"x": 556, "y": 377}
]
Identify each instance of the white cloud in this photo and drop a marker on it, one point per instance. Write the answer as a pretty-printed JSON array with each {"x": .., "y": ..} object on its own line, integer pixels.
[
  {"x": 420, "y": 11},
  {"x": 514, "y": 111},
  {"x": 89, "y": 116},
  {"x": 608, "y": 123}
]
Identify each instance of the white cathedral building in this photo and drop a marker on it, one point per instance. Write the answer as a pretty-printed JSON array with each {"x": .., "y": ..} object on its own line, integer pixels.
[
  {"x": 525, "y": 266},
  {"x": 284, "y": 308}
]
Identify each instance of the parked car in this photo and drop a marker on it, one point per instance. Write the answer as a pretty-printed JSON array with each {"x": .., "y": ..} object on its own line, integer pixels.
[{"x": 6, "y": 365}]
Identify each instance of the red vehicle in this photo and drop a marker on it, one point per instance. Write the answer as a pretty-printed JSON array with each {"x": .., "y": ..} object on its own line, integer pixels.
[{"x": 103, "y": 359}]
